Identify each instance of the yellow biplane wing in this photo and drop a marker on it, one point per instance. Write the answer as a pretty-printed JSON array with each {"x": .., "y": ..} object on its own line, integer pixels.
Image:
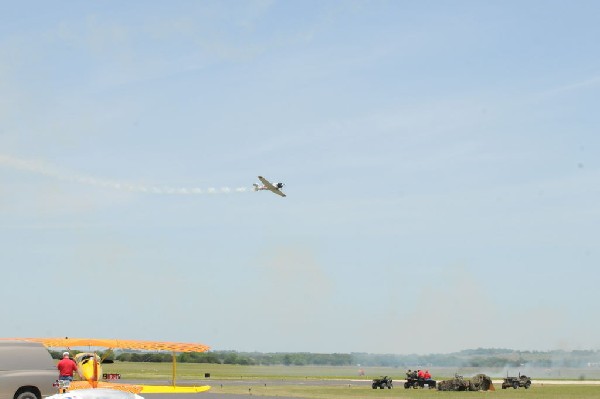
[
  {"x": 117, "y": 343},
  {"x": 140, "y": 388},
  {"x": 101, "y": 384},
  {"x": 173, "y": 389}
]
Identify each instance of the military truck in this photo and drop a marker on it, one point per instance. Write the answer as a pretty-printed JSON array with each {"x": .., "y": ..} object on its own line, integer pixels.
[
  {"x": 522, "y": 381},
  {"x": 382, "y": 382}
]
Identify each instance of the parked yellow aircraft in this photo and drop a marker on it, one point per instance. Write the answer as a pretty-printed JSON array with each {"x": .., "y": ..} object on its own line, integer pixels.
[{"x": 90, "y": 364}]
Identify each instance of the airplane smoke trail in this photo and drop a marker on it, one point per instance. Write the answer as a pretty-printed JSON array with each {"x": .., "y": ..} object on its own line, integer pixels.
[{"x": 42, "y": 168}]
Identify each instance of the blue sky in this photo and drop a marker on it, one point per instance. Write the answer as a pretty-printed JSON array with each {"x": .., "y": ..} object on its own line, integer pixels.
[{"x": 440, "y": 161}]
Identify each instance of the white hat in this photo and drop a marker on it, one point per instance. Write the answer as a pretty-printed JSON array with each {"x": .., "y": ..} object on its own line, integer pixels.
[{"x": 65, "y": 354}]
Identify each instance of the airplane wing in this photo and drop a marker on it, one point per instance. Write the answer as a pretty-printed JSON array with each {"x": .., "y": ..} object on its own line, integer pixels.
[
  {"x": 270, "y": 186},
  {"x": 136, "y": 388},
  {"x": 78, "y": 385},
  {"x": 266, "y": 183},
  {"x": 118, "y": 343},
  {"x": 174, "y": 389}
]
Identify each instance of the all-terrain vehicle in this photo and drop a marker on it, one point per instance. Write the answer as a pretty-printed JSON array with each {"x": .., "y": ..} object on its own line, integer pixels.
[
  {"x": 419, "y": 383},
  {"x": 522, "y": 381},
  {"x": 383, "y": 382}
]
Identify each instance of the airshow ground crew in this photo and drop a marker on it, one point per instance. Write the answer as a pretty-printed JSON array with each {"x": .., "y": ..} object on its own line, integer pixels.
[{"x": 66, "y": 367}]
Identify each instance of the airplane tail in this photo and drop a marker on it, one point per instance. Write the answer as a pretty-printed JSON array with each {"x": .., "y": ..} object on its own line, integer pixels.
[{"x": 255, "y": 186}]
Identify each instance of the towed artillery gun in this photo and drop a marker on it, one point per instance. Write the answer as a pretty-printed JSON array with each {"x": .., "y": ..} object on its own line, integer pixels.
[
  {"x": 481, "y": 382},
  {"x": 383, "y": 382},
  {"x": 522, "y": 381}
]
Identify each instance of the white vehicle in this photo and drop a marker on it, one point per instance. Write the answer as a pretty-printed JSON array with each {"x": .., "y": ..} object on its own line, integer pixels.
[
  {"x": 27, "y": 370},
  {"x": 96, "y": 393},
  {"x": 267, "y": 185}
]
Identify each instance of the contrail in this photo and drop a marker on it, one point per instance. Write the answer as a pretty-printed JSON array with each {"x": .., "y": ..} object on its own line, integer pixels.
[{"x": 45, "y": 169}]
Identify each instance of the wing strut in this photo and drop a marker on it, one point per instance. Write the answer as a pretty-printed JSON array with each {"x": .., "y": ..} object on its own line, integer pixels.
[{"x": 174, "y": 368}]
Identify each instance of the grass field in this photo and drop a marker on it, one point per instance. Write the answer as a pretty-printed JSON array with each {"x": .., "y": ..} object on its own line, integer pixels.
[
  {"x": 329, "y": 392},
  {"x": 347, "y": 384}
]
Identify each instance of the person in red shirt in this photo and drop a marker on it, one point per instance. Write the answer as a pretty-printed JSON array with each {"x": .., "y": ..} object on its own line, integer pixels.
[
  {"x": 420, "y": 374},
  {"x": 66, "y": 367},
  {"x": 427, "y": 375}
]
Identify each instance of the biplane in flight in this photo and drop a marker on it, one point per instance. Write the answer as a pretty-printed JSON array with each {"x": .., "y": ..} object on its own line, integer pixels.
[
  {"x": 267, "y": 185},
  {"x": 89, "y": 363}
]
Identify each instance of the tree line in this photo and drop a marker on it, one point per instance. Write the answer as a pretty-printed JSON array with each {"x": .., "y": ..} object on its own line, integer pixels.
[{"x": 481, "y": 357}]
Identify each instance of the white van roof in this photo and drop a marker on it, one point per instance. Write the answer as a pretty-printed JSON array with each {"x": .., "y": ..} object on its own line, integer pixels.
[{"x": 22, "y": 355}]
